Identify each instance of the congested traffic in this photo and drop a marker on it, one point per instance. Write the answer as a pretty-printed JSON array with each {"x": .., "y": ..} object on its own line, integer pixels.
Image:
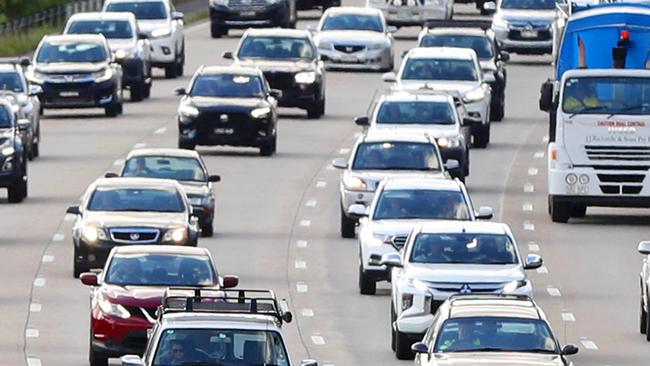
[{"x": 312, "y": 183}]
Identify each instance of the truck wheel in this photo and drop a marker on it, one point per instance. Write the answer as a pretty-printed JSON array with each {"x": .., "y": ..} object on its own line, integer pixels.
[
  {"x": 347, "y": 226},
  {"x": 403, "y": 346},
  {"x": 578, "y": 210},
  {"x": 560, "y": 211},
  {"x": 643, "y": 318},
  {"x": 482, "y": 136},
  {"x": 367, "y": 285}
]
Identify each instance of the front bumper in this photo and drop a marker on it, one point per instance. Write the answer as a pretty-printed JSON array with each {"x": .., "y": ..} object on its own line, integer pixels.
[
  {"x": 250, "y": 17},
  {"x": 511, "y": 40},
  {"x": 479, "y": 109},
  {"x": 364, "y": 59},
  {"x": 349, "y": 198},
  {"x": 116, "y": 337},
  {"x": 240, "y": 130},
  {"x": 163, "y": 51},
  {"x": 78, "y": 95},
  {"x": 415, "y": 15}
]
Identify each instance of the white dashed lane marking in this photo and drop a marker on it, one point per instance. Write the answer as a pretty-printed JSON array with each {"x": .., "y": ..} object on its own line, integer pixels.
[
  {"x": 553, "y": 291},
  {"x": 542, "y": 270},
  {"x": 118, "y": 162},
  {"x": 568, "y": 317},
  {"x": 318, "y": 340},
  {"x": 47, "y": 258},
  {"x": 33, "y": 361},
  {"x": 344, "y": 151},
  {"x": 311, "y": 203},
  {"x": 528, "y": 207},
  {"x": 539, "y": 154},
  {"x": 545, "y": 139},
  {"x": 301, "y": 264},
  {"x": 321, "y": 184},
  {"x": 302, "y": 287},
  {"x": 160, "y": 131},
  {"x": 529, "y": 226},
  {"x": 139, "y": 145},
  {"x": 532, "y": 171},
  {"x": 35, "y": 307},
  {"x": 58, "y": 237},
  {"x": 305, "y": 223},
  {"x": 39, "y": 282},
  {"x": 301, "y": 243},
  {"x": 32, "y": 333},
  {"x": 533, "y": 247},
  {"x": 529, "y": 188},
  {"x": 307, "y": 313},
  {"x": 590, "y": 345}
]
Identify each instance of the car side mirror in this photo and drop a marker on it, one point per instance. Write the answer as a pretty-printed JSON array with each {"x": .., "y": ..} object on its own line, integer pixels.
[
  {"x": 391, "y": 260},
  {"x": 142, "y": 35},
  {"x": 24, "y": 124},
  {"x": 275, "y": 93},
  {"x": 504, "y": 56},
  {"x": 489, "y": 78},
  {"x": 25, "y": 61},
  {"x": 111, "y": 175},
  {"x": 35, "y": 90},
  {"x": 452, "y": 164},
  {"x": 180, "y": 92},
  {"x": 89, "y": 279},
  {"x": 490, "y": 7},
  {"x": 308, "y": 363},
  {"x": 404, "y": 53},
  {"x": 362, "y": 121},
  {"x": 214, "y": 178},
  {"x": 177, "y": 15},
  {"x": 484, "y": 213},
  {"x": 570, "y": 349},
  {"x": 73, "y": 210},
  {"x": 644, "y": 247},
  {"x": 389, "y": 77},
  {"x": 533, "y": 261},
  {"x": 230, "y": 281},
  {"x": 357, "y": 210},
  {"x": 340, "y": 163},
  {"x": 468, "y": 121},
  {"x": 391, "y": 29},
  {"x": 546, "y": 96},
  {"x": 227, "y": 55},
  {"x": 419, "y": 347},
  {"x": 131, "y": 360}
]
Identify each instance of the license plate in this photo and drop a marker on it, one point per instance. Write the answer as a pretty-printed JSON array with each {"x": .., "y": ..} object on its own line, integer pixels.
[
  {"x": 529, "y": 34},
  {"x": 247, "y": 13},
  {"x": 349, "y": 58},
  {"x": 69, "y": 94},
  {"x": 224, "y": 131},
  {"x": 577, "y": 189}
]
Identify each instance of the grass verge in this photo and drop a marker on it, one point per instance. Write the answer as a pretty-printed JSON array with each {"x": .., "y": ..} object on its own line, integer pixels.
[{"x": 21, "y": 44}]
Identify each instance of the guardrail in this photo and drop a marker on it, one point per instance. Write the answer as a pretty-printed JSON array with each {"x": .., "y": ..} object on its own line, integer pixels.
[{"x": 53, "y": 17}]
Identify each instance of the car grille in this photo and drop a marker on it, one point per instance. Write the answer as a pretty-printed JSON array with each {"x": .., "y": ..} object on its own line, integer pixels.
[
  {"x": 247, "y": 4},
  {"x": 69, "y": 78},
  {"x": 399, "y": 241},
  {"x": 618, "y": 153},
  {"x": 140, "y": 312},
  {"x": 348, "y": 48},
  {"x": 279, "y": 79},
  {"x": 474, "y": 288},
  {"x": 134, "y": 235}
]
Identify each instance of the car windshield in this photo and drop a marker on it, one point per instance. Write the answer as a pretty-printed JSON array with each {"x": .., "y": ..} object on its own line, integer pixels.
[
  {"x": 111, "y": 29},
  {"x": 276, "y": 48},
  {"x": 439, "y": 69},
  {"x": 136, "y": 199},
  {"x": 71, "y": 52},
  {"x": 528, "y": 4},
  {"x": 396, "y": 156},
  {"x": 481, "y": 45},
  {"x": 146, "y": 10},
  {"x": 228, "y": 86},
  {"x": 607, "y": 95},
  {"x": 10, "y": 81},
  {"x": 426, "y": 113},
  {"x": 463, "y": 248},
  {"x": 353, "y": 22},
  {"x": 5, "y": 118},
  {"x": 421, "y": 204},
  {"x": 497, "y": 334},
  {"x": 160, "y": 270},
  {"x": 241, "y": 347},
  {"x": 165, "y": 167}
]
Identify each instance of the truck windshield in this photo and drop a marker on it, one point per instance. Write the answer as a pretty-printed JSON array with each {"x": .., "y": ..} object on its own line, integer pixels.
[{"x": 607, "y": 95}]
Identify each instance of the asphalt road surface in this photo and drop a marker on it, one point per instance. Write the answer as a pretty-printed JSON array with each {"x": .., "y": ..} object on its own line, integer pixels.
[{"x": 277, "y": 224}]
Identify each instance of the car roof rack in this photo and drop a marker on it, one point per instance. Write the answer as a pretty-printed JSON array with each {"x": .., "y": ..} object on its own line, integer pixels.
[
  {"x": 459, "y": 23},
  {"x": 22, "y": 61},
  {"x": 456, "y": 297},
  {"x": 224, "y": 301}
]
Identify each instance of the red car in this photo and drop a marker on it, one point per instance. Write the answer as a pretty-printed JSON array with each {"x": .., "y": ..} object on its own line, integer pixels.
[{"x": 125, "y": 296}]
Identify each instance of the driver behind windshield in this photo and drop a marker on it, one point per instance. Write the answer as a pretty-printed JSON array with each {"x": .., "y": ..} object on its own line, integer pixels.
[{"x": 580, "y": 96}]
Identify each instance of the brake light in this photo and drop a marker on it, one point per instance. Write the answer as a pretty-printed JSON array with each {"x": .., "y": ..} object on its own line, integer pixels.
[{"x": 554, "y": 155}]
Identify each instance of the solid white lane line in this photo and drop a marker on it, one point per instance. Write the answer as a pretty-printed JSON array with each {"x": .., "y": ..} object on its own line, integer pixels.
[
  {"x": 307, "y": 313},
  {"x": 532, "y": 171},
  {"x": 321, "y": 184},
  {"x": 529, "y": 226},
  {"x": 47, "y": 258},
  {"x": 118, "y": 162},
  {"x": 33, "y": 361},
  {"x": 39, "y": 282},
  {"x": 568, "y": 317},
  {"x": 528, "y": 207},
  {"x": 302, "y": 287},
  {"x": 590, "y": 345},
  {"x": 311, "y": 203},
  {"x": 32, "y": 333},
  {"x": 553, "y": 291},
  {"x": 139, "y": 145},
  {"x": 301, "y": 264},
  {"x": 533, "y": 247},
  {"x": 542, "y": 270},
  {"x": 344, "y": 151},
  {"x": 160, "y": 131},
  {"x": 539, "y": 154},
  {"x": 529, "y": 188},
  {"x": 305, "y": 223},
  {"x": 318, "y": 340},
  {"x": 58, "y": 237},
  {"x": 301, "y": 243},
  {"x": 35, "y": 307}
]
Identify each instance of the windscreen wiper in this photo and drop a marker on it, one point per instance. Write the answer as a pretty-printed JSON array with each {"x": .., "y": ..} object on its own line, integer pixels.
[{"x": 628, "y": 109}]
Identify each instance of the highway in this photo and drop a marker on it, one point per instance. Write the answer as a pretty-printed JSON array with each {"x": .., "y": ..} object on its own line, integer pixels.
[{"x": 277, "y": 224}]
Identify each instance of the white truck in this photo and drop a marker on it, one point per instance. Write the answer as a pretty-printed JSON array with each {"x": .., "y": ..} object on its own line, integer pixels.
[{"x": 601, "y": 152}]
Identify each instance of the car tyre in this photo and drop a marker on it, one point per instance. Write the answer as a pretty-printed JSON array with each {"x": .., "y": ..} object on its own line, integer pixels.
[
  {"x": 207, "y": 230},
  {"x": 497, "y": 112},
  {"x": 114, "y": 109},
  {"x": 217, "y": 32},
  {"x": 17, "y": 192},
  {"x": 393, "y": 318},
  {"x": 643, "y": 317},
  {"x": 403, "y": 346},
  {"x": 180, "y": 63},
  {"x": 482, "y": 136},
  {"x": 316, "y": 110},
  {"x": 137, "y": 91},
  {"x": 348, "y": 225},
  {"x": 186, "y": 145},
  {"x": 267, "y": 148},
  {"x": 367, "y": 285},
  {"x": 36, "y": 152},
  {"x": 96, "y": 358},
  {"x": 171, "y": 70},
  {"x": 647, "y": 329},
  {"x": 559, "y": 211}
]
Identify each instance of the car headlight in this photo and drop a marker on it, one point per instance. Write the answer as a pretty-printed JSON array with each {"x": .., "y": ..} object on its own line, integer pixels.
[
  {"x": 218, "y": 2},
  {"x": 448, "y": 142},
  {"x": 161, "y": 32},
  {"x": 305, "y": 77},
  {"x": 8, "y": 151},
  {"x": 324, "y": 45},
  {"x": 35, "y": 77},
  {"x": 499, "y": 22},
  {"x": 122, "y": 54},
  {"x": 474, "y": 95},
  {"x": 188, "y": 111},
  {"x": 375, "y": 46},
  {"x": 92, "y": 234},
  {"x": 176, "y": 236},
  {"x": 103, "y": 75},
  {"x": 513, "y": 286},
  {"x": 195, "y": 201},
  {"x": 354, "y": 183},
  {"x": 261, "y": 112},
  {"x": 110, "y": 308}
]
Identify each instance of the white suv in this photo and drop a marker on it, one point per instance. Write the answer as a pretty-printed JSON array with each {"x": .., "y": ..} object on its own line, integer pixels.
[
  {"x": 453, "y": 70},
  {"x": 445, "y": 258},
  {"x": 164, "y": 27}
]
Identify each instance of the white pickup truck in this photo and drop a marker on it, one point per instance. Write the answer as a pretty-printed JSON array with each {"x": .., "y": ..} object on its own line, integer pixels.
[
  {"x": 413, "y": 12},
  {"x": 601, "y": 152}
]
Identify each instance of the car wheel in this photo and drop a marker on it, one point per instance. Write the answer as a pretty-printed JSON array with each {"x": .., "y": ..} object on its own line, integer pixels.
[
  {"x": 171, "y": 70},
  {"x": 402, "y": 346},
  {"x": 647, "y": 329},
  {"x": 643, "y": 317},
  {"x": 482, "y": 136},
  {"x": 217, "y": 32},
  {"x": 207, "y": 230},
  {"x": 17, "y": 192},
  {"x": 559, "y": 211},
  {"x": 113, "y": 109},
  {"x": 77, "y": 268},
  {"x": 137, "y": 91},
  {"x": 316, "y": 110},
  {"x": 35, "y": 150},
  {"x": 497, "y": 112},
  {"x": 348, "y": 225},
  {"x": 266, "y": 149},
  {"x": 393, "y": 318},
  {"x": 186, "y": 145},
  {"x": 180, "y": 63},
  {"x": 96, "y": 358},
  {"x": 578, "y": 210},
  {"x": 367, "y": 286}
]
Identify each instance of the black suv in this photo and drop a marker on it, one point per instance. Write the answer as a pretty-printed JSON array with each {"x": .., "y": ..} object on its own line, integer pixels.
[
  {"x": 77, "y": 71},
  {"x": 228, "y": 106},
  {"x": 14, "y": 135},
  {"x": 290, "y": 63},
  {"x": 477, "y": 35},
  {"x": 243, "y": 14}
]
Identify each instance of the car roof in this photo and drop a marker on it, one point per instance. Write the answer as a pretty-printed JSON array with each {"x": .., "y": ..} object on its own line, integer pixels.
[
  {"x": 216, "y": 70},
  {"x": 8, "y": 67},
  {"x": 353, "y": 10},
  {"x": 406, "y": 96},
  {"x": 68, "y": 38},
  {"x": 390, "y": 136},
  {"x": 606, "y": 72},
  {"x": 164, "y": 152},
  {"x": 160, "y": 249},
  {"x": 277, "y": 32},
  {"x": 493, "y": 306},
  {"x": 442, "y": 53},
  {"x": 133, "y": 182},
  {"x": 470, "y": 227},
  {"x": 456, "y": 31},
  {"x": 422, "y": 183},
  {"x": 106, "y": 15},
  {"x": 198, "y": 320}
]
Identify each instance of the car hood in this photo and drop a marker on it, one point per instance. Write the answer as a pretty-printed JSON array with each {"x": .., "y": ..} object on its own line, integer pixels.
[
  {"x": 374, "y": 177},
  {"x": 527, "y": 15},
  {"x": 147, "y": 26},
  {"x": 465, "y": 273},
  {"x": 496, "y": 358},
  {"x": 350, "y": 37},
  {"x": 70, "y": 67},
  {"x": 121, "y": 44},
  {"x": 488, "y": 65},
  {"x": 278, "y": 65},
  {"x": 207, "y": 103},
  {"x": 194, "y": 189},
  {"x": 140, "y": 296},
  {"x": 161, "y": 220},
  {"x": 435, "y": 131},
  {"x": 437, "y": 85}
]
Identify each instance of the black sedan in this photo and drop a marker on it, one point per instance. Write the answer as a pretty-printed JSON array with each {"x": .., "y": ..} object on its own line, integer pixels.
[
  {"x": 228, "y": 106},
  {"x": 123, "y": 211},
  {"x": 290, "y": 62},
  {"x": 14, "y": 135}
]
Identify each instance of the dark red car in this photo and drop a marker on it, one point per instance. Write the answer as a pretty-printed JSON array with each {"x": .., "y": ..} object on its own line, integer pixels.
[{"x": 125, "y": 296}]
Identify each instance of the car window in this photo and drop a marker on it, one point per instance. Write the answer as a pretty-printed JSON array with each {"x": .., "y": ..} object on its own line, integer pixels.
[
  {"x": 495, "y": 334},
  {"x": 111, "y": 29},
  {"x": 11, "y": 81},
  {"x": 71, "y": 52},
  {"x": 420, "y": 204},
  {"x": 481, "y": 45},
  {"x": 463, "y": 248},
  {"x": 429, "y": 113},
  {"x": 353, "y": 22},
  {"x": 5, "y": 118},
  {"x": 528, "y": 4},
  {"x": 136, "y": 199},
  {"x": 396, "y": 156},
  {"x": 220, "y": 347},
  {"x": 276, "y": 48},
  {"x": 227, "y": 85},
  {"x": 165, "y": 167},
  {"x": 607, "y": 95},
  {"x": 160, "y": 270},
  {"x": 439, "y": 69},
  {"x": 146, "y": 10}
]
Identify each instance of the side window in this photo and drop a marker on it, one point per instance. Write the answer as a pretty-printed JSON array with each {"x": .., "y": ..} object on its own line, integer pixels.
[{"x": 433, "y": 329}]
